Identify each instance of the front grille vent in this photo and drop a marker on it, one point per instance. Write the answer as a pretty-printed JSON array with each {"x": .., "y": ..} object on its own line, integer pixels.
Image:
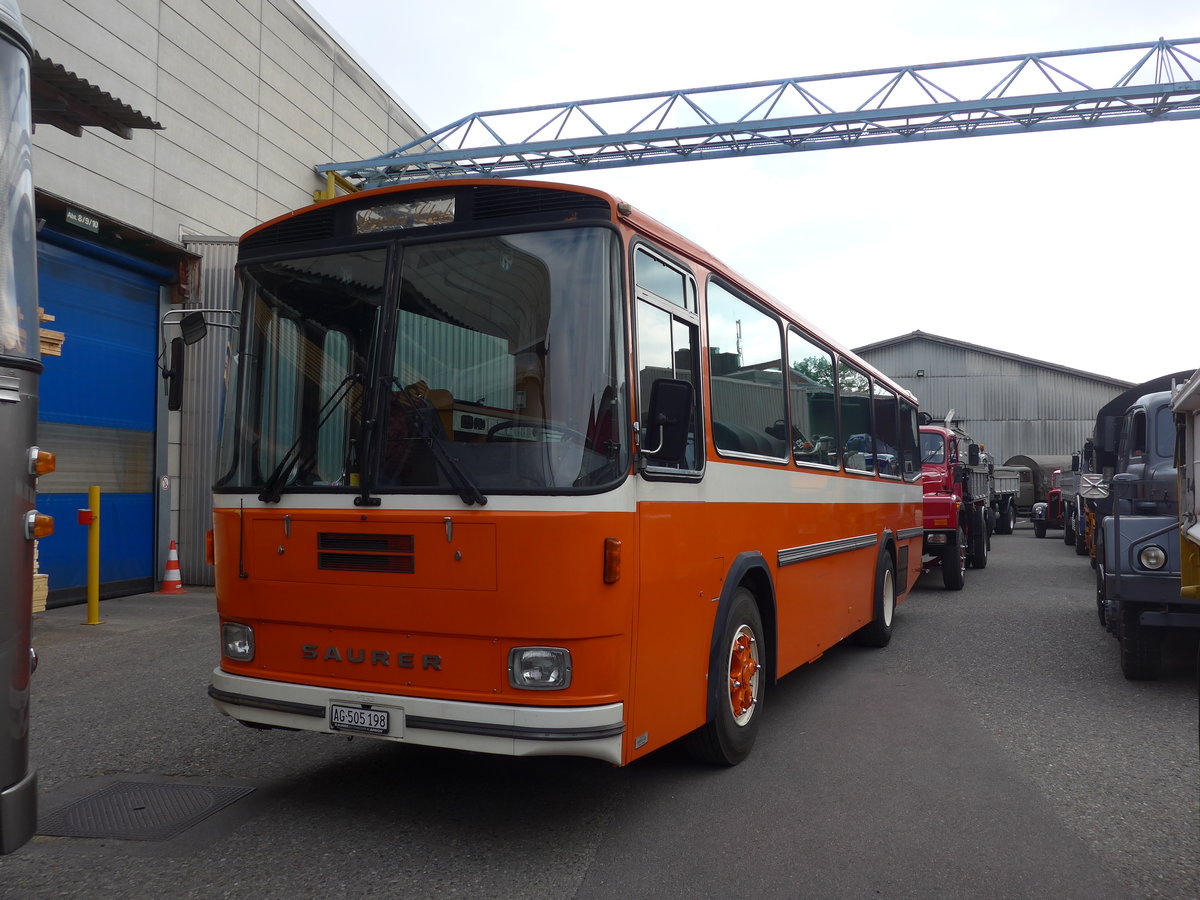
[
  {"x": 505, "y": 202},
  {"x": 387, "y": 553}
]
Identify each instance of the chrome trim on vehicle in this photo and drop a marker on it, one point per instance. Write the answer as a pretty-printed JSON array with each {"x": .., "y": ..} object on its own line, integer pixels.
[
  {"x": 794, "y": 555},
  {"x": 508, "y": 729}
]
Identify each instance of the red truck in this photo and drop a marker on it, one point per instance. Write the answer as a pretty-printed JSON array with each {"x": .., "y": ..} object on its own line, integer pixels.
[{"x": 963, "y": 502}]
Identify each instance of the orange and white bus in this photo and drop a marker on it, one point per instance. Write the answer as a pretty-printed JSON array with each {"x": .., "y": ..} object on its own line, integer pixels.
[{"x": 512, "y": 467}]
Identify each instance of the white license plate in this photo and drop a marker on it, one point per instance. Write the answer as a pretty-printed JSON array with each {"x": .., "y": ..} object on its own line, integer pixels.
[{"x": 355, "y": 718}]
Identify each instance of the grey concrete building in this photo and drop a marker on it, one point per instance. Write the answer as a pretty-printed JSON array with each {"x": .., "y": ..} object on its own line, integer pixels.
[
  {"x": 211, "y": 115},
  {"x": 1011, "y": 404}
]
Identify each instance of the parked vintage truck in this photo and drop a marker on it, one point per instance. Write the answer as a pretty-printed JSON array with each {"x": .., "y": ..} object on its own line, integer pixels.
[
  {"x": 1137, "y": 545},
  {"x": 964, "y": 501},
  {"x": 1052, "y": 512},
  {"x": 1098, "y": 459}
]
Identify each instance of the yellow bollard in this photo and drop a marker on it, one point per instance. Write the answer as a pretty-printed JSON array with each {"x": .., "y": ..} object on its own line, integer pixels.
[{"x": 93, "y": 586}]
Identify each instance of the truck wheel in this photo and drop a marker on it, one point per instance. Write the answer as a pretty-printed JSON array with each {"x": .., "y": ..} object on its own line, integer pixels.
[
  {"x": 1080, "y": 543},
  {"x": 1039, "y": 529},
  {"x": 878, "y": 632},
  {"x": 1141, "y": 648},
  {"x": 1100, "y": 596},
  {"x": 1007, "y": 517},
  {"x": 740, "y": 680},
  {"x": 1069, "y": 528},
  {"x": 978, "y": 541},
  {"x": 954, "y": 564}
]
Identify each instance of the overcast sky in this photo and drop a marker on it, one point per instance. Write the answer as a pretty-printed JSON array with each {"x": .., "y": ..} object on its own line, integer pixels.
[{"x": 1077, "y": 248}]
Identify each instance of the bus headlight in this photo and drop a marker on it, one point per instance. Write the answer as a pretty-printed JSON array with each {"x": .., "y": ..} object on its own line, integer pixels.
[
  {"x": 237, "y": 641},
  {"x": 539, "y": 668},
  {"x": 1152, "y": 557}
]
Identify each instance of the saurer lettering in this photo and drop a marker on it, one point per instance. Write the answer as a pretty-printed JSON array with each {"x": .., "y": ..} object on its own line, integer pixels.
[{"x": 359, "y": 655}]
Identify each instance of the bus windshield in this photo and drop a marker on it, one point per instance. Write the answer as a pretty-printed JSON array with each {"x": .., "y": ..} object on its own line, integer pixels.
[{"x": 491, "y": 366}]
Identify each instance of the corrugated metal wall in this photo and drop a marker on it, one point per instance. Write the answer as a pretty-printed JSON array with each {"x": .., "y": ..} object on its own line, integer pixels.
[
  {"x": 203, "y": 405},
  {"x": 1011, "y": 406}
]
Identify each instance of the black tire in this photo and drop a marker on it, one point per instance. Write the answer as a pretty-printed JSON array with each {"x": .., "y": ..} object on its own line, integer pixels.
[
  {"x": 1007, "y": 518},
  {"x": 978, "y": 541},
  {"x": 1068, "y": 527},
  {"x": 1141, "y": 648},
  {"x": 1039, "y": 529},
  {"x": 1100, "y": 595},
  {"x": 954, "y": 564},
  {"x": 878, "y": 632},
  {"x": 728, "y": 737},
  {"x": 1080, "y": 543}
]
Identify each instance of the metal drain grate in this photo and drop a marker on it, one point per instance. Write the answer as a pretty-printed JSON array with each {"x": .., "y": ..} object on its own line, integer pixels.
[{"x": 135, "y": 811}]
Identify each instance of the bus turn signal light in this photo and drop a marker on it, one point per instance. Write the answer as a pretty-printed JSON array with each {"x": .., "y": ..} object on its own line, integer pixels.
[
  {"x": 612, "y": 560},
  {"x": 38, "y": 525},
  {"x": 41, "y": 462}
]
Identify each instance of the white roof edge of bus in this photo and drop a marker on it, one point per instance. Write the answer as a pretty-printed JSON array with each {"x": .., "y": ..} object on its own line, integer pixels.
[
  {"x": 353, "y": 54},
  {"x": 10, "y": 18}
]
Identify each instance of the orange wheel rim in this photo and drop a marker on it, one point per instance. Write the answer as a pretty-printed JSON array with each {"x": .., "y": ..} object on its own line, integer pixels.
[{"x": 744, "y": 674}]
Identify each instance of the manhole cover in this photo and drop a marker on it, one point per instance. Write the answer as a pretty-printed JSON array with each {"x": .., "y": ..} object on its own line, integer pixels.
[{"x": 135, "y": 811}]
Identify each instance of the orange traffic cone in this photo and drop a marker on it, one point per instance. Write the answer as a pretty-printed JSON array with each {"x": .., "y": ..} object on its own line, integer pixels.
[{"x": 172, "y": 583}]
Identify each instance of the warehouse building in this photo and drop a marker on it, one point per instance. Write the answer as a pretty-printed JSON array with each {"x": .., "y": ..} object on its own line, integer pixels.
[
  {"x": 166, "y": 129},
  {"x": 1011, "y": 404}
]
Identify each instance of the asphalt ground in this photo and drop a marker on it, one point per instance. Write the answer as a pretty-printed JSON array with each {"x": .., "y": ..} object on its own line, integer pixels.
[{"x": 991, "y": 750}]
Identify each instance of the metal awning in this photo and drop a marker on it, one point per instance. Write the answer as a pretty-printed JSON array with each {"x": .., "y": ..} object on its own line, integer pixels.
[{"x": 63, "y": 99}]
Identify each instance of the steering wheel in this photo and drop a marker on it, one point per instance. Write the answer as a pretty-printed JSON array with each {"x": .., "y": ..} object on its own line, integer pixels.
[{"x": 543, "y": 427}]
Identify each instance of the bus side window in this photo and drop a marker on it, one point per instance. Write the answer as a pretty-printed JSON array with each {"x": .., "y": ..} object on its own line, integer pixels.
[
  {"x": 910, "y": 442},
  {"x": 854, "y": 403},
  {"x": 667, "y": 341},
  {"x": 887, "y": 430},
  {"x": 811, "y": 401},
  {"x": 745, "y": 361}
]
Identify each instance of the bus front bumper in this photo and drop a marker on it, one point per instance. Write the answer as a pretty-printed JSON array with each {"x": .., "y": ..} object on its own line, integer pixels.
[
  {"x": 18, "y": 813},
  {"x": 590, "y": 731}
]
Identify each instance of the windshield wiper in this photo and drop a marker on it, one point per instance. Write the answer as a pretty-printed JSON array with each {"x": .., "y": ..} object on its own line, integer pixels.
[
  {"x": 423, "y": 414},
  {"x": 273, "y": 486}
]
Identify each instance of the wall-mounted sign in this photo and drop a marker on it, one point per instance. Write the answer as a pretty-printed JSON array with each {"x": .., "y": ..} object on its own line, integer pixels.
[{"x": 83, "y": 220}]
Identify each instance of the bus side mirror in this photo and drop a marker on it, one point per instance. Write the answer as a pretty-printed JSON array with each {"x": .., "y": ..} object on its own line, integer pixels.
[
  {"x": 669, "y": 415},
  {"x": 174, "y": 376},
  {"x": 193, "y": 328}
]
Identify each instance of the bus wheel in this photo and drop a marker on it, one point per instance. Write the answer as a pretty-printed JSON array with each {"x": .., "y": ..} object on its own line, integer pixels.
[
  {"x": 740, "y": 679},
  {"x": 878, "y": 632},
  {"x": 954, "y": 564}
]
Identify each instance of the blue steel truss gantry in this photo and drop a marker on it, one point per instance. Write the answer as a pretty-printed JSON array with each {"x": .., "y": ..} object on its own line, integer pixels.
[{"x": 1114, "y": 85}]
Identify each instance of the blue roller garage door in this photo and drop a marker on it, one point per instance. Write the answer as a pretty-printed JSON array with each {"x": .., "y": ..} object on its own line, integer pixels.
[{"x": 97, "y": 413}]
